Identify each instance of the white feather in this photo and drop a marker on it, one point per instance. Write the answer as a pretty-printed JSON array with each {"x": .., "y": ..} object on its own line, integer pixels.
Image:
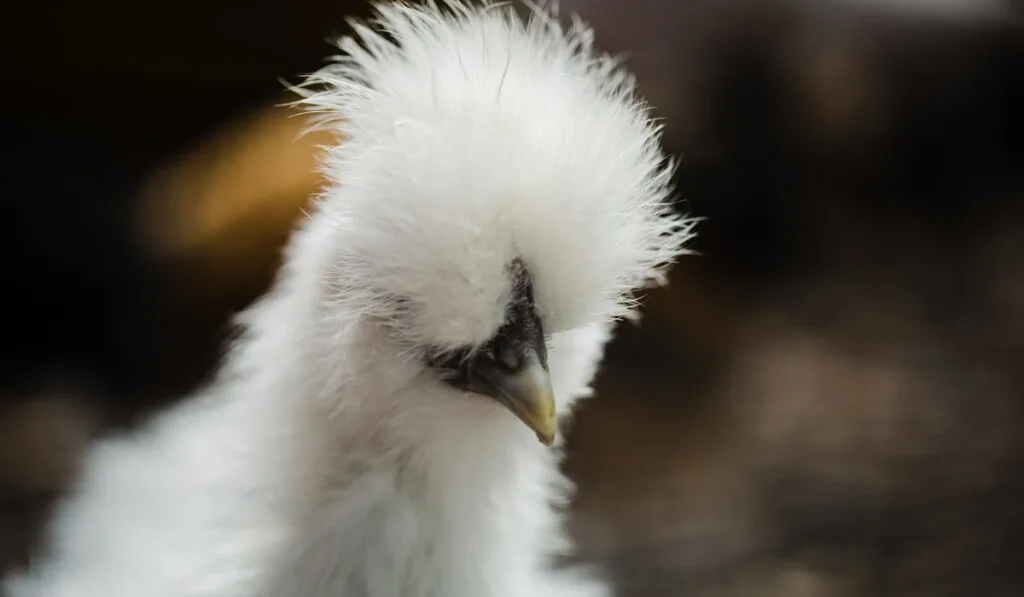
[{"x": 325, "y": 460}]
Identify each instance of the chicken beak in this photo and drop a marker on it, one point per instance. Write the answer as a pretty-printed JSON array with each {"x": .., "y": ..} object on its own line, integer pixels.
[{"x": 527, "y": 392}]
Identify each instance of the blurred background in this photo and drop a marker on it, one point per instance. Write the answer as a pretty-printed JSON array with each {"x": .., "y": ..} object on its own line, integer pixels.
[{"x": 827, "y": 401}]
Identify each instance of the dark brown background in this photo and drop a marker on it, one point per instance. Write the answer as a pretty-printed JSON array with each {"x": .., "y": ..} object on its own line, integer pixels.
[{"x": 828, "y": 400}]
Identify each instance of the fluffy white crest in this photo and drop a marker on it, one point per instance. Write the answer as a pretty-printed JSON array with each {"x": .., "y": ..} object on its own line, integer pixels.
[{"x": 473, "y": 139}]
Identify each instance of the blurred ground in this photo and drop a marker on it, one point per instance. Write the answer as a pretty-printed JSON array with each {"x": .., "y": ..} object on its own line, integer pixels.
[{"x": 826, "y": 402}]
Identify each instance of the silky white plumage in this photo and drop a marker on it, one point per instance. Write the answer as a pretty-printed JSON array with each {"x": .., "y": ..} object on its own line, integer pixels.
[{"x": 326, "y": 460}]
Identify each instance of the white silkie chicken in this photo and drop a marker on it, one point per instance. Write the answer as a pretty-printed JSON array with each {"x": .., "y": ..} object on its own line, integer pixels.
[{"x": 499, "y": 196}]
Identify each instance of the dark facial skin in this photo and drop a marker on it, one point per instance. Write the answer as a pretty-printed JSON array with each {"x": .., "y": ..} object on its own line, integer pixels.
[{"x": 503, "y": 353}]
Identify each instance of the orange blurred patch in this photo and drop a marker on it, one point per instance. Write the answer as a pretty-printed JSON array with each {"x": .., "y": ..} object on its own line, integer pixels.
[{"x": 226, "y": 208}]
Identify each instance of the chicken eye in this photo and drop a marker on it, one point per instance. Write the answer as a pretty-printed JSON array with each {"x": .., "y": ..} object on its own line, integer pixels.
[{"x": 503, "y": 353}]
